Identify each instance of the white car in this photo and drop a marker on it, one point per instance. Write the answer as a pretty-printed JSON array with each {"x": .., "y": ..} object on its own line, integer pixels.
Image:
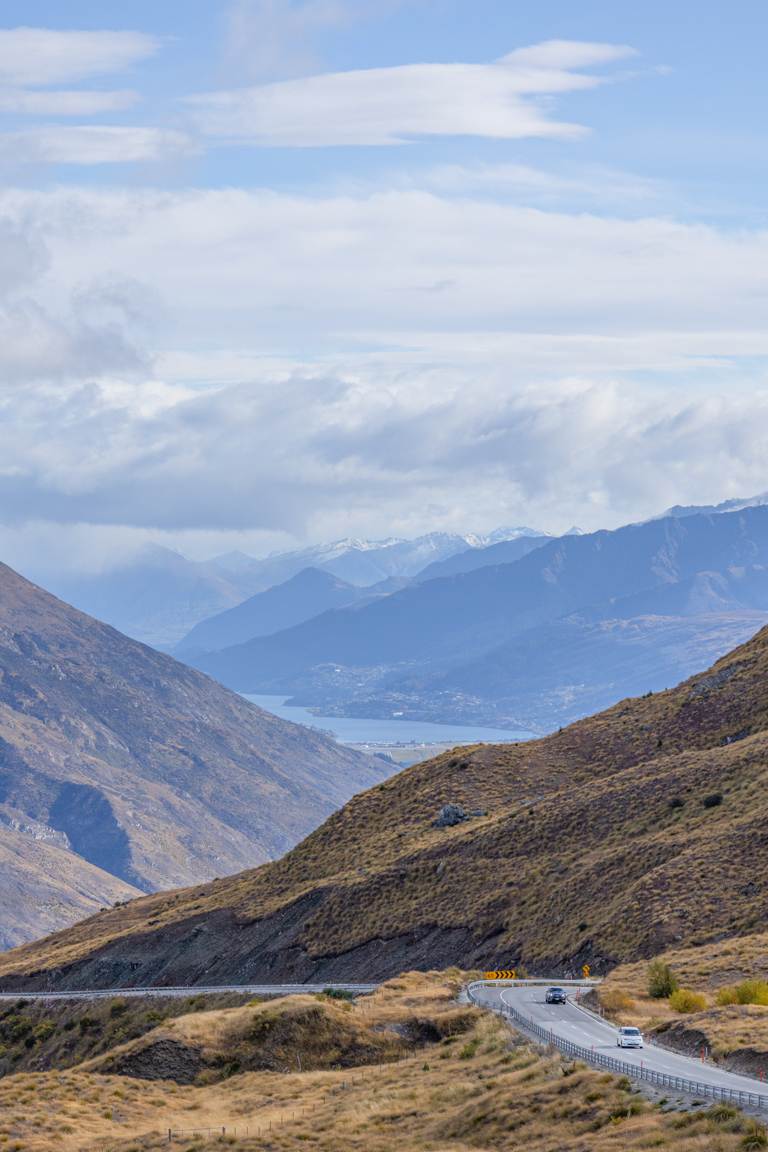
[{"x": 629, "y": 1038}]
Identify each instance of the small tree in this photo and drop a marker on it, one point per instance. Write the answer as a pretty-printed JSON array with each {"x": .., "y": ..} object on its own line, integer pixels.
[{"x": 662, "y": 981}]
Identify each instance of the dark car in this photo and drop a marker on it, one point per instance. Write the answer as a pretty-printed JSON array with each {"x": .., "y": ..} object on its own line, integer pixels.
[{"x": 555, "y": 996}]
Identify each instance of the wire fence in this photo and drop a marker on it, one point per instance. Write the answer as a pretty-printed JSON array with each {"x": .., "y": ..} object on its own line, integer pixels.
[
  {"x": 282, "y": 1117},
  {"x": 622, "y": 1068}
]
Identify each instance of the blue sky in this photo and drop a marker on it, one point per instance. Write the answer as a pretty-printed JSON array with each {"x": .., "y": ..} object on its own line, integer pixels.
[
  {"x": 284, "y": 270},
  {"x": 689, "y": 109}
]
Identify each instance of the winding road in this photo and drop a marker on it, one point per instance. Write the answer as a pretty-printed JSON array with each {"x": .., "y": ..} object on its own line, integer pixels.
[{"x": 568, "y": 1025}]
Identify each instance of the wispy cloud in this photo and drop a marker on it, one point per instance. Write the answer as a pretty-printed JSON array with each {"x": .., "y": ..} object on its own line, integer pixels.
[
  {"x": 31, "y": 57},
  {"x": 83, "y": 144},
  {"x": 391, "y": 106},
  {"x": 31, "y": 102},
  {"x": 589, "y": 186}
]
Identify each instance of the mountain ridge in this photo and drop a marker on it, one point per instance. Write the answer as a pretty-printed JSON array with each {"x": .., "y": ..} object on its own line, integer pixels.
[
  {"x": 148, "y": 773},
  {"x": 307, "y": 594},
  {"x": 622, "y": 818}
]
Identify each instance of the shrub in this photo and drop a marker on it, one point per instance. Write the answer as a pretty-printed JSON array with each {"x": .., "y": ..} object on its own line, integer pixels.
[
  {"x": 722, "y": 1113},
  {"x": 686, "y": 1000},
  {"x": 747, "y": 992},
  {"x": 615, "y": 1000},
  {"x": 756, "y": 1136},
  {"x": 44, "y": 1030},
  {"x": 677, "y": 802},
  {"x": 662, "y": 981},
  {"x": 713, "y": 800}
]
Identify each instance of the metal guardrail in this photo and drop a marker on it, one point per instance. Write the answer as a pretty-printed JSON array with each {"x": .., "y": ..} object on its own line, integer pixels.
[
  {"x": 633, "y": 1071},
  {"x": 189, "y": 990}
]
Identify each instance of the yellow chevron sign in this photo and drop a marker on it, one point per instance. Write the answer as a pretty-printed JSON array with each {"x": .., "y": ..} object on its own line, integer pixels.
[{"x": 508, "y": 974}]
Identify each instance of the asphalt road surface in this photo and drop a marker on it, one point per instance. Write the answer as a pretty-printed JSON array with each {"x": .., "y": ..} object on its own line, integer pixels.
[
  {"x": 247, "y": 989},
  {"x": 570, "y": 1022}
]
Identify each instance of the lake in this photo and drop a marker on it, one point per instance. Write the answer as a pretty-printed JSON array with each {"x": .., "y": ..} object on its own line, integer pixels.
[{"x": 383, "y": 732}]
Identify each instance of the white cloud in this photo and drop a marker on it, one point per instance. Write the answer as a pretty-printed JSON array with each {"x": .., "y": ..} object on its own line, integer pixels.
[
  {"x": 92, "y": 144},
  {"x": 390, "y": 106},
  {"x": 40, "y": 56},
  {"x": 518, "y": 392},
  {"x": 339, "y": 273},
  {"x": 621, "y": 191},
  {"x": 61, "y": 103},
  {"x": 560, "y": 55}
]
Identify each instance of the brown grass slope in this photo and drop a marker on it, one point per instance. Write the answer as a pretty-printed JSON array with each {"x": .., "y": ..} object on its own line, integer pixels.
[
  {"x": 596, "y": 846},
  {"x": 409, "y": 1070},
  {"x": 144, "y": 772}
]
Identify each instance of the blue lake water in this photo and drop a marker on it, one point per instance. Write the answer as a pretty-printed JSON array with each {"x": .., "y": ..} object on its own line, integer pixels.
[{"x": 356, "y": 730}]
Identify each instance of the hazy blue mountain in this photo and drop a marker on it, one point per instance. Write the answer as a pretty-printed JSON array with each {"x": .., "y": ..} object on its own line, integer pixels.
[
  {"x": 156, "y": 597},
  {"x": 306, "y": 594},
  {"x": 734, "y": 505},
  {"x": 364, "y": 562},
  {"x": 712, "y": 567},
  {"x": 505, "y": 552},
  {"x": 562, "y": 670}
]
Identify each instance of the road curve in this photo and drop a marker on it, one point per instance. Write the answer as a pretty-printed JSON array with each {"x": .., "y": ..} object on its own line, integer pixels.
[
  {"x": 191, "y": 990},
  {"x": 568, "y": 1024}
]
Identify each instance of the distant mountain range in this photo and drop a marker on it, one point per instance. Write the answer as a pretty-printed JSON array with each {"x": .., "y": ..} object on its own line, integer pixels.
[
  {"x": 556, "y": 628},
  {"x": 735, "y": 505},
  {"x": 123, "y": 770},
  {"x": 159, "y": 595},
  {"x": 303, "y": 596}
]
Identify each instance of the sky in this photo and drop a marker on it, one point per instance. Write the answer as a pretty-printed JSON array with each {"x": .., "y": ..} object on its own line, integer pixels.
[{"x": 274, "y": 272}]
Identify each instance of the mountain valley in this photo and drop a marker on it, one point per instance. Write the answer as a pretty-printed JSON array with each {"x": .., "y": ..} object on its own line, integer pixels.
[
  {"x": 122, "y": 770},
  {"x": 623, "y": 818}
]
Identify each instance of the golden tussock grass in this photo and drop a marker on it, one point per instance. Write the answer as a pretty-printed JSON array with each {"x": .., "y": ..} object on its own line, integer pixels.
[{"x": 484, "y": 1089}]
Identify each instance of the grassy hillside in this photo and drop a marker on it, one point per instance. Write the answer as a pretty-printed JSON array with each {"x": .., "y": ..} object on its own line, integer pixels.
[
  {"x": 620, "y": 836},
  {"x": 405, "y": 1069},
  {"x": 123, "y": 770}
]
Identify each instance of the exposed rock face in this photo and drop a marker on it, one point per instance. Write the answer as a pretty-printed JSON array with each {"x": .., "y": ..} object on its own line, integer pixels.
[
  {"x": 122, "y": 770},
  {"x": 159, "y": 1059}
]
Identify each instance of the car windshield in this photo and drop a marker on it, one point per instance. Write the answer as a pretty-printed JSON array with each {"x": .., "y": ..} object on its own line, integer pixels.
[
  {"x": 631, "y": 1031},
  {"x": 555, "y": 989}
]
